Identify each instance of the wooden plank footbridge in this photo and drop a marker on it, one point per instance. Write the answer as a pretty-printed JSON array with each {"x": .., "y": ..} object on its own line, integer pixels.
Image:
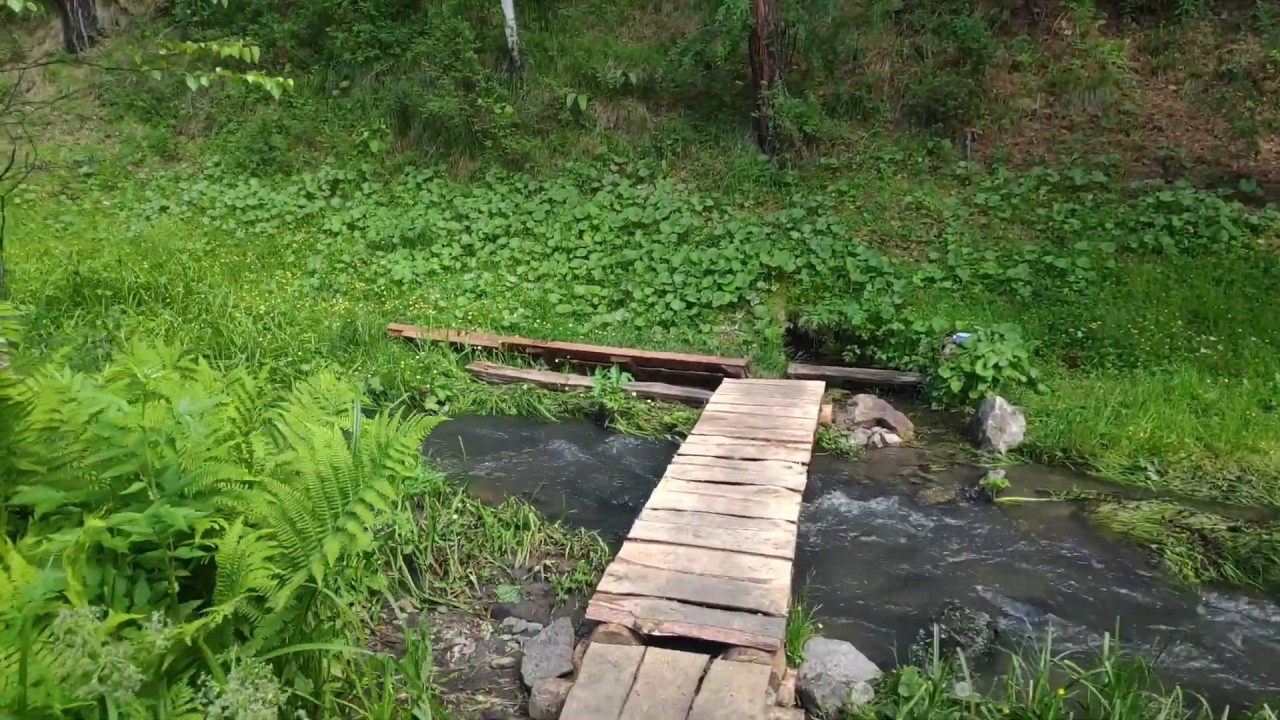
[
  {"x": 709, "y": 559},
  {"x": 693, "y": 609}
]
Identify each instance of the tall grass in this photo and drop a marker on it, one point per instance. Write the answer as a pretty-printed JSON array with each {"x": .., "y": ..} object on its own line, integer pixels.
[{"x": 1042, "y": 685}]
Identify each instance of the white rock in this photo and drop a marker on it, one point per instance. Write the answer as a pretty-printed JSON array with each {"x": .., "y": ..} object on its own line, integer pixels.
[
  {"x": 834, "y": 676},
  {"x": 998, "y": 426}
]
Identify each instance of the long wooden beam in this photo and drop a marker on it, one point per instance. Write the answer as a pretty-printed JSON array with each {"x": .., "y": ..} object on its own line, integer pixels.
[
  {"x": 853, "y": 376},
  {"x": 507, "y": 375},
  {"x": 602, "y": 354}
]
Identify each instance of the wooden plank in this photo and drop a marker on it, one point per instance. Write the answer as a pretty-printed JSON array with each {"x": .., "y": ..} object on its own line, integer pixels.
[
  {"x": 767, "y": 422},
  {"x": 779, "y": 409},
  {"x": 665, "y": 685},
  {"x": 793, "y": 478},
  {"x": 603, "y": 684},
  {"x": 506, "y": 375},
  {"x": 551, "y": 380},
  {"x": 771, "y": 543},
  {"x": 624, "y": 578},
  {"x": 663, "y": 499},
  {"x": 713, "y": 520},
  {"x": 726, "y": 366},
  {"x": 762, "y": 466},
  {"x": 796, "y": 392},
  {"x": 729, "y": 430},
  {"x": 764, "y": 494},
  {"x": 668, "y": 618},
  {"x": 670, "y": 393},
  {"x": 744, "y": 449},
  {"x": 804, "y": 388},
  {"x": 732, "y": 690},
  {"x": 707, "y": 562},
  {"x": 854, "y": 376},
  {"x": 763, "y": 406}
]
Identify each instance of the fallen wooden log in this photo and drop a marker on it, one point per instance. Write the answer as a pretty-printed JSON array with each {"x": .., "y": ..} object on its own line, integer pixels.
[
  {"x": 853, "y": 376},
  {"x": 557, "y": 351},
  {"x": 506, "y": 375}
]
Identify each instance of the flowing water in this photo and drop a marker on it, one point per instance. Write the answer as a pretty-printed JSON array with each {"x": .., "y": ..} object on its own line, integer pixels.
[{"x": 877, "y": 557}]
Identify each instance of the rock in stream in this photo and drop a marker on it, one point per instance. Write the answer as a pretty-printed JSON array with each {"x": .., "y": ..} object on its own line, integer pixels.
[{"x": 833, "y": 676}]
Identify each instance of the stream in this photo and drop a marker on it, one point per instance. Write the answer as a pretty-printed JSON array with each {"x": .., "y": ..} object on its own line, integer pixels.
[{"x": 876, "y": 557}]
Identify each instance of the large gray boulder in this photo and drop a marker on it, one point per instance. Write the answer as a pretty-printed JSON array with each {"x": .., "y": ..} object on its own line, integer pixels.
[
  {"x": 549, "y": 654},
  {"x": 869, "y": 411},
  {"x": 998, "y": 426},
  {"x": 960, "y": 631},
  {"x": 834, "y": 676}
]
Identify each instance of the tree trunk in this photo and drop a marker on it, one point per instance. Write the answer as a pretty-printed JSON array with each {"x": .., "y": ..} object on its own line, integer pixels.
[
  {"x": 514, "y": 64},
  {"x": 80, "y": 29},
  {"x": 766, "y": 71}
]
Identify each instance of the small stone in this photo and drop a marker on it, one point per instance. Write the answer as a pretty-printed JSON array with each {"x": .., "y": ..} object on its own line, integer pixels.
[
  {"x": 998, "y": 426},
  {"x": 549, "y": 654},
  {"x": 861, "y": 436},
  {"x": 960, "y": 630},
  {"x": 516, "y": 626},
  {"x": 546, "y": 698},
  {"x": 834, "y": 677},
  {"x": 936, "y": 495},
  {"x": 502, "y": 662}
]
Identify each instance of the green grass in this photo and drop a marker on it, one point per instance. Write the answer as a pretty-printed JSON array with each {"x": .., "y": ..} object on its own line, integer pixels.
[
  {"x": 801, "y": 625},
  {"x": 1042, "y": 685}
]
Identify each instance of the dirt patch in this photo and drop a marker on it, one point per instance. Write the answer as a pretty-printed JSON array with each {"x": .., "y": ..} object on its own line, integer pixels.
[{"x": 477, "y": 651}]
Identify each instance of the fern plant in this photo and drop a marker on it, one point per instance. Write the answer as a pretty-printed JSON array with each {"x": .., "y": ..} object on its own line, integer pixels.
[{"x": 134, "y": 490}]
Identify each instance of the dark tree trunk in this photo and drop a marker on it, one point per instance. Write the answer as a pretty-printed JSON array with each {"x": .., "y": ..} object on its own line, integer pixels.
[
  {"x": 80, "y": 29},
  {"x": 766, "y": 70}
]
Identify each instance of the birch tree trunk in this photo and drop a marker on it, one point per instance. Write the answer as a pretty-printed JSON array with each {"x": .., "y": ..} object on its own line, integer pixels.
[
  {"x": 80, "y": 29},
  {"x": 766, "y": 72},
  {"x": 514, "y": 64}
]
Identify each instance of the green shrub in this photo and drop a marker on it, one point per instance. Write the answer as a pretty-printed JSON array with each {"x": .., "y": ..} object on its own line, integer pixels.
[{"x": 987, "y": 362}]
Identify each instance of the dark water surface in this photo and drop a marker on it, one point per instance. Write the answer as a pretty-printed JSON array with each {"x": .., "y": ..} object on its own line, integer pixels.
[{"x": 877, "y": 559}]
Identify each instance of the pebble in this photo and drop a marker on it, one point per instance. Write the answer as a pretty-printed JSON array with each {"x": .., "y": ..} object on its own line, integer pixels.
[{"x": 503, "y": 662}]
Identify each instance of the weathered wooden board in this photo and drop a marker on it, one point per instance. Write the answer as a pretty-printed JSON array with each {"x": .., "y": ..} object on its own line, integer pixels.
[
  {"x": 708, "y": 562},
  {"x": 732, "y": 690},
  {"x": 762, "y": 466},
  {"x": 780, "y": 509},
  {"x": 624, "y": 578},
  {"x": 747, "y": 433},
  {"x": 771, "y": 543},
  {"x": 754, "y": 493},
  {"x": 746, "y": 420},
  {"x": 712, "y": 520},
  {"x": 744, "y": 449},
  {"x": 794, "y": 388},
  {"x": 730, "y": 367},
  {"x": 770, "y": 408},
  {"x": 665, "y": 685},
  {"x": 670, "y": 393},
  {"x": 604, "y": 682},
  {"x": 853, "y": 376},
  {"x": 663, "y": 617},
  {"x": 506, "y": 375},
  {"x": 792, "y": 479},
  {"x": 796, "y": 395}
]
